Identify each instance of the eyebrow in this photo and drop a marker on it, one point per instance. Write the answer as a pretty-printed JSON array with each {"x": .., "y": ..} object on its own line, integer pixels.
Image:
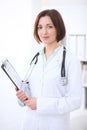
[{"x": 46, "y": 24}]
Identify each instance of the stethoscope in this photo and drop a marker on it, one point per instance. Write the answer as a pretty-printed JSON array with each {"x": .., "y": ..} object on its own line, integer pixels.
[{"x": 63, "y": 77}]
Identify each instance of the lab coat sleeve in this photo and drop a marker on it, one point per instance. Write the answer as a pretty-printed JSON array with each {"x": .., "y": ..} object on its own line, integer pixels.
[{"x": 72, "y": 98}]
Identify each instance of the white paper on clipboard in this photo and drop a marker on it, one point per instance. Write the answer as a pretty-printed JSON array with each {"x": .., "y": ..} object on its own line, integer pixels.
[{"x": 11, "y": 73}]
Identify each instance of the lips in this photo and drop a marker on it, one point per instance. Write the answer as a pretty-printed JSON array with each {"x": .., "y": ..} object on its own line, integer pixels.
[{"x": 46, "y": 37}]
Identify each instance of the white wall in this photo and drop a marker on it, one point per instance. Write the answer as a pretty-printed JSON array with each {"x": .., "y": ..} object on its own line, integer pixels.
[
  {"x": 16, "y": 38},
  {"x": 15, "y": 44}
]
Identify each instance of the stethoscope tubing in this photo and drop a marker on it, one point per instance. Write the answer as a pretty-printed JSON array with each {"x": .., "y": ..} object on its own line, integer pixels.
[{"x": 35, "y": 60}]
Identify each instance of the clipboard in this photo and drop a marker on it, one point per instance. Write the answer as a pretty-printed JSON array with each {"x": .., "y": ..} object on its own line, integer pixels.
[{"x": 11, "y": 73}]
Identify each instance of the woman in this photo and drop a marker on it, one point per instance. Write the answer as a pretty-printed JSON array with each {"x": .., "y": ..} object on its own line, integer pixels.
[{"x": 51, "y": 100}]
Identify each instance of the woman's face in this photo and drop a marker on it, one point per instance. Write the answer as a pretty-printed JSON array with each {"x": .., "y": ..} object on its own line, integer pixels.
[{"x": 46, "y": 30}]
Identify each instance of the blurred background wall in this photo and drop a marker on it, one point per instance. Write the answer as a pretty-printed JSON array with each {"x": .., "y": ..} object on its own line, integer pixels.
[{"x": 18, "y": 45}]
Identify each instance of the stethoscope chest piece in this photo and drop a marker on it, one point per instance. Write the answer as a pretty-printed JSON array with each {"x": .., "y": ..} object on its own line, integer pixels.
[{"x": 63, "y": 81}]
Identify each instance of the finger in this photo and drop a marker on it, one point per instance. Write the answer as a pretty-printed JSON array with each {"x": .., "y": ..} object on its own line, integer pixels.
[
  {"x": 21, "y": 95},
  {"x": 16, "y": 88}
]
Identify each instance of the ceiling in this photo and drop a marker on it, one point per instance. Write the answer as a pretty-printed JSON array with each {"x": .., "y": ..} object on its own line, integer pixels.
[{"x": 64, "y": 2}]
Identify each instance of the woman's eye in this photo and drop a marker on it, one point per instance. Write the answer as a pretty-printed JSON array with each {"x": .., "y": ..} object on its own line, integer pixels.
[
  {"x": 50, "y": 26},
  {"x": 39, "y": 27}
]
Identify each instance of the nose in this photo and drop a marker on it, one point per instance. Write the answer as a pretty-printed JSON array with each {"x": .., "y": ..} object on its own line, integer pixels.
[{"x": 45, "y": 31}]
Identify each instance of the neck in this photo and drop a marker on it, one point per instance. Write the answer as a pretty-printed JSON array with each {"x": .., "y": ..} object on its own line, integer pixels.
[{"x": 49, "y": 49}]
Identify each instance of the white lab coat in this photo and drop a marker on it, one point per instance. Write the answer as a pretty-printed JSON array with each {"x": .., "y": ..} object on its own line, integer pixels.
[{"x": 54, "y": 101}]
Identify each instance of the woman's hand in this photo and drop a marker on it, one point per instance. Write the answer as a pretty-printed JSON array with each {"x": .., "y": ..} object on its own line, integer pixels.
[
  {"x": 21, "y": 95},
  {"x": 31, "y": 103}
]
